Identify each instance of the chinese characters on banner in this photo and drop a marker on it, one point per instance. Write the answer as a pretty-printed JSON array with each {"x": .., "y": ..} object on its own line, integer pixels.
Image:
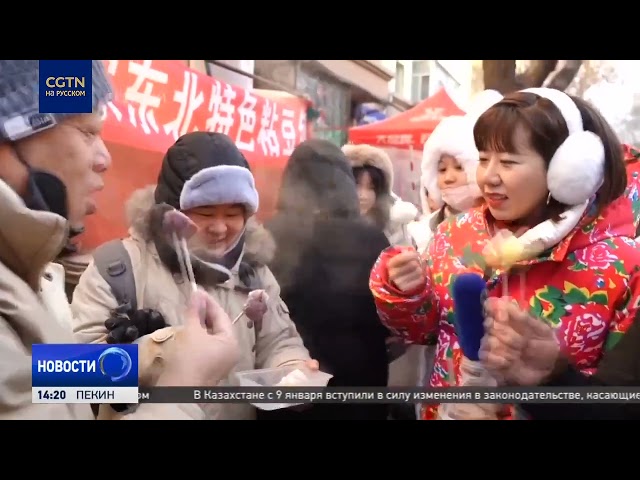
[
  {"x": 403, "y": 140},
  {"x": 157, "y": 101}
]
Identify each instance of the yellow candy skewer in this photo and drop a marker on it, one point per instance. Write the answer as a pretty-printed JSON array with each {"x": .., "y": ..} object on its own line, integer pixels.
[
  {"x": 502, "y": 253},
  {"x": 511, "y": 251},
  {"x": 505, "y": 283}
]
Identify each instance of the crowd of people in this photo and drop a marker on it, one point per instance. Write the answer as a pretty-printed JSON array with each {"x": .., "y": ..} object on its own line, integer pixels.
[{"x": 358, "y": 281}]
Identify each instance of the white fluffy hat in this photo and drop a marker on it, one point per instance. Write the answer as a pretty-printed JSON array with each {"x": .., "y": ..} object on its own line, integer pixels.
[{"x": 453, "y": 136}]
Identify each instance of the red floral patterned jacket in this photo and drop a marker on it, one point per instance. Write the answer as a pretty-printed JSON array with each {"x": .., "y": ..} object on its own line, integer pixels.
[{"x": 587, "y": 287}]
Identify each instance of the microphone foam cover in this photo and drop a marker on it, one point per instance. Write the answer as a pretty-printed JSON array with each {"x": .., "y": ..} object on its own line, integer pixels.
[{"x": 469, "y": 292}]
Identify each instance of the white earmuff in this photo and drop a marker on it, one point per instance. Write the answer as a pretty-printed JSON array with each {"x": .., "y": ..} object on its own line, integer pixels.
[{"x": 576, "y": 171}]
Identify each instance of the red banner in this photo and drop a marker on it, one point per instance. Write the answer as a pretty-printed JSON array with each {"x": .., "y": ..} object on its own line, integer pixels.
[{"x": 157, "y": 101}]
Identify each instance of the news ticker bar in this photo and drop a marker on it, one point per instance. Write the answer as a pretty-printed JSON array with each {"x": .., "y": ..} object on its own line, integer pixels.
[{"x": 299, "y": 395}]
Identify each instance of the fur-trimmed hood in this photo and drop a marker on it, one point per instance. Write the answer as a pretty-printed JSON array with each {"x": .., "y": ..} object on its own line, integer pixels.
[
  {"x": 142, "y": 214},
  {"x": 401, "y": 212},
  {"x": 370, "y": 156},
  {"x": 453, "y": 136}
]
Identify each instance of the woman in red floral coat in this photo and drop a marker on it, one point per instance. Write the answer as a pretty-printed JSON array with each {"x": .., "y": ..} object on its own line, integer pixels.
[
  {"x": 552, "y": 174},
  {"x": 632, "y": 161}
]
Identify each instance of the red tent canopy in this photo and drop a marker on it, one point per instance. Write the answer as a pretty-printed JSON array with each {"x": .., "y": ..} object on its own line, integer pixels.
[{"x": 410, "y": 128}]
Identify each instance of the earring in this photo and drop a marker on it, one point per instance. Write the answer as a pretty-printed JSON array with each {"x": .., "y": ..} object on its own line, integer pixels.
[{"x": 549, "y": 198}]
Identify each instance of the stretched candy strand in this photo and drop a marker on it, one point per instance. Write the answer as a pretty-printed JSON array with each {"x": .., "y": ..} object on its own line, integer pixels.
[
  {"x": 187, "y": 261},
  {"x": 178, "y": 248}
]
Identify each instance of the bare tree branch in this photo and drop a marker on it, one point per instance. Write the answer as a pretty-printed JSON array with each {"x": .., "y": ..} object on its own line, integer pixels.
[
  {"x": 536, "y": 73},
  {"x": 499, "y": 75},
  {"x": 563, "y": 77}
]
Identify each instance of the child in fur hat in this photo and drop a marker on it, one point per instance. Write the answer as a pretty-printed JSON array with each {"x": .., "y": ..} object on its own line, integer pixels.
[
  {"x": 449, "y": 161},
  {"x": 373, "y": 171}
]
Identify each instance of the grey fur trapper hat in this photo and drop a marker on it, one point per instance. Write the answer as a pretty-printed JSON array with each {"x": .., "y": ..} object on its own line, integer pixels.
[{"x": 19, "y": 104}]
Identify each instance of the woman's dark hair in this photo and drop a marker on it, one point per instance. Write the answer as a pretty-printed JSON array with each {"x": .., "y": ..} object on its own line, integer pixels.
[
  {"x": 495, "y": 129},
  {"x": 380, "y": 210}
]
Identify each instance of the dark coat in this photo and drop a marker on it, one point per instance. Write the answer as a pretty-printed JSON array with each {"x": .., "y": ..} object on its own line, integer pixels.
[{"x": 324, "y": 254}]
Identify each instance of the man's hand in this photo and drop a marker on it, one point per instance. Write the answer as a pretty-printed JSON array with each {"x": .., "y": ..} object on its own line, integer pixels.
[
  {"x": 517, "y": 348},
  {"x": 205, "y": 349},
  {"x": 406, "y": 271}
]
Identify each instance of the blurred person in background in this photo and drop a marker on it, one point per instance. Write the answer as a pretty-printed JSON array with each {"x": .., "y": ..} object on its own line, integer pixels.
[
  {"x": 521, "y": 350},
  {"x": 553, "y": 178},
  {"x": 373, "y": 170},
  {"x": 324, "y": 253},
  {"x": 207, "y": 177},
  {"x": 51, "y": 165}
]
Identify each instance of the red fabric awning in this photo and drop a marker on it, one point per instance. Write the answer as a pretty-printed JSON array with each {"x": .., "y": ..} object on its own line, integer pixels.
[{"x": 410, "y": 128}]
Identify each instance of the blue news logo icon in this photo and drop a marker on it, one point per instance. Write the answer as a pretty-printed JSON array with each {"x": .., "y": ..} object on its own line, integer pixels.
[
  {"x": 84, "y": 365},
  {"x": 115, "y": 363}
]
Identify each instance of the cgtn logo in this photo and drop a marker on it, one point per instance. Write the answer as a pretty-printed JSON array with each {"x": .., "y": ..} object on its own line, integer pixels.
[
  {"x": 84, "y": 373},
  {"x": 65, "y": 86}
]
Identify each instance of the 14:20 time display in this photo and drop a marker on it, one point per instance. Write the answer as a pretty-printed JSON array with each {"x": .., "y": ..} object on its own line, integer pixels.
[{"x": 52, "y": 394}]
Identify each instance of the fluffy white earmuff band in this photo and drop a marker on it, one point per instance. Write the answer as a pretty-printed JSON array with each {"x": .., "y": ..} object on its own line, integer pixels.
[{"x": 576, "y": 171}]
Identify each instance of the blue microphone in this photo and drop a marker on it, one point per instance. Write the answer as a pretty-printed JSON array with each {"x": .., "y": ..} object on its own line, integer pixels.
[{"x": 469, "y": 293}]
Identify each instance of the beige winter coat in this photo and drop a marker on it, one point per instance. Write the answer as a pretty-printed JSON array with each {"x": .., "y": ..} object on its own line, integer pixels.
[
  {"x": 275, "y": 344},
  {"x": 29, "y": 241}
]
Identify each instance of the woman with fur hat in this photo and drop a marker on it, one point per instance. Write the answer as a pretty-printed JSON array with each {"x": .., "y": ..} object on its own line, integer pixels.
[
  {"x": 553, "y": 178},
  {"x": 207, "y": 178},
  {"x": 373, "y": 171}
]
